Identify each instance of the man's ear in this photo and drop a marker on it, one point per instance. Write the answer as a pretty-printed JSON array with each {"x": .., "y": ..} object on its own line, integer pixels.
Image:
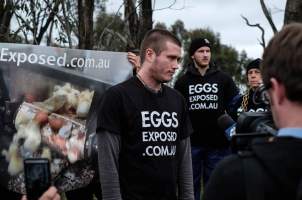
[
  {"x": 278, "y": 92},
  {"x": 149, "y": 54}
]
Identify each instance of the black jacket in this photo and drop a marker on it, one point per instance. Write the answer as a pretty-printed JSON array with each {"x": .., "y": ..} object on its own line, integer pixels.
[
  {"x": 207, "y": 98},
  {"x": 281, "y": 159},
  {"x": 247, "y": 103}
]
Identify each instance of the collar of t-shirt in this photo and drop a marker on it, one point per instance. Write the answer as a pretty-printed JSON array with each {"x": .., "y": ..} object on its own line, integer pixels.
[{"x": 293, "y": 132}]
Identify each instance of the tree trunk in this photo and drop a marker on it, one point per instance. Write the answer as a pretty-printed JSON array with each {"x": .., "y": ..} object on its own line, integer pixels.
[
  {"x": 6, "y": 12},
  {"x": 81, "y": 24},
  {"x": 146, "y": 22},
  {"x": 133, "y": 23},
  {"x": 85, "y": 14},
  {"x": 138, "y": 26},
  {"x": 293, "y": 11}
]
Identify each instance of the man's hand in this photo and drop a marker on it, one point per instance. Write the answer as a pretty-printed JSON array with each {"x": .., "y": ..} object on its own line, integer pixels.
[{"x": 134, "y": 60}]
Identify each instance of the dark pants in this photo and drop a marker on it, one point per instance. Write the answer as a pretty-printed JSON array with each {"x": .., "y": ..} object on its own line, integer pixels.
[{"x": 204, "y": 160}]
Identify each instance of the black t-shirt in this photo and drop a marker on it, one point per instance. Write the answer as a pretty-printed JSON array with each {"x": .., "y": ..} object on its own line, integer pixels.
[
  {"x": 151, "y": 126},
  {"x": 207, "y": 97}
]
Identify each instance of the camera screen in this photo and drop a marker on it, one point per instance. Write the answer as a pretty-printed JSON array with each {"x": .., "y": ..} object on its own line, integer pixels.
[{"x": 37, "y": 177}]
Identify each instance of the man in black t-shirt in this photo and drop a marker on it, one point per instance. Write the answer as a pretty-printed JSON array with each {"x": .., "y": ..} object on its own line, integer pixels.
[
  {"x": 144, "y": 129},
  {"x": 209, "y": 93}
]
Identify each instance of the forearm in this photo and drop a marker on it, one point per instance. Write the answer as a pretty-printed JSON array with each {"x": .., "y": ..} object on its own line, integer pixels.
[
  {"x": 109, "y": 148},
  {"x": 185, "y": 177}
]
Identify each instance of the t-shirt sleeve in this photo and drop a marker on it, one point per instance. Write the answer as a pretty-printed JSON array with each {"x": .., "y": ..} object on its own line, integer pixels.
[{"x": 110, "y": 112}]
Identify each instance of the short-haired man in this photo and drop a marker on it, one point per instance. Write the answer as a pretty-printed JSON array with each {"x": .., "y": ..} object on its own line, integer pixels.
[
  {"x": 144, "y": 128},
  {"x": 272, "y": 170},
  {"x": 208, "y": 92}
]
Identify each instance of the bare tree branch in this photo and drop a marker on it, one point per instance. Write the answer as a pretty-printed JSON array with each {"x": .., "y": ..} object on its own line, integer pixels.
[
  {"x": 49, "y": 19},
  {"x": 126, "y": 18},
  {"x": 170, "y": 6},
  {"x": 262, "y": 42},
  {"x": 120, "y": 36},
  {"x": 22, "y": 29},
  {"x": 20, "y": 19},
  {"x": 66, "y": 26},
  {"x": 268, "y": 16}
]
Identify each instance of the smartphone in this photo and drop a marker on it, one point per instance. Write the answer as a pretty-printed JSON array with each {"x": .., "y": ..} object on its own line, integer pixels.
[{"x": 37, "y": 177}]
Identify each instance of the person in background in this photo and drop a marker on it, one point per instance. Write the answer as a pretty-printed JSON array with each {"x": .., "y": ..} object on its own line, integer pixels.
[
  {"x": 208, "y": 92},
  {"x": 143, "y": 130},
  {"x": 254, "y": 80},
  {"x": 50, "y": 194},
  {"x": 272, "y": 168}
]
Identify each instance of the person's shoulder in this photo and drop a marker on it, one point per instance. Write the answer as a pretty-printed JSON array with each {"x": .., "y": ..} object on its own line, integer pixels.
[
  {"x": 227, "y": 180},
  {"x": 120, "y": 87},
  {"x": 223, "y": 73},
  {"x": 224, "y": 76},
  {"x": 232, "y": 162},
  {"x": 171, "y": 91},
  {"x": 182, "y": 81}
]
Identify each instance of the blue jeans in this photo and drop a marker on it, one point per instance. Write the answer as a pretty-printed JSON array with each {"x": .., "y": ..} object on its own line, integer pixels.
[{"x": 204, "y": 160}]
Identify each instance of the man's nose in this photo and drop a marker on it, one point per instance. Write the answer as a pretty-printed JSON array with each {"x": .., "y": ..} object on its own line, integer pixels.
[{"x": 175, "y": 64}]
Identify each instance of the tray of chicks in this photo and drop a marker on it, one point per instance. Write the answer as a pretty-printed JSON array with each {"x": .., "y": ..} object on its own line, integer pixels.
[
  {"x": 52, "y": 128},
  {"x": 40, "y": 134}
]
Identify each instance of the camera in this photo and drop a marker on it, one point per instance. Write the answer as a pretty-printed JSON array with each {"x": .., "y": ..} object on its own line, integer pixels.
[{"x": 251, "y": 125}]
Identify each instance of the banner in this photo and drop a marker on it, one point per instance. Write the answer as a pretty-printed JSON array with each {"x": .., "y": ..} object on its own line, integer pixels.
[{"x": 49, "y": 99}]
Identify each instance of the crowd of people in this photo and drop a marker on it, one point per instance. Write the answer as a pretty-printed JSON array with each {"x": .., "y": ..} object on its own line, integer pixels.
[
  {"x": 208, "y": 93},
  {"x": 156, "y": 142}
]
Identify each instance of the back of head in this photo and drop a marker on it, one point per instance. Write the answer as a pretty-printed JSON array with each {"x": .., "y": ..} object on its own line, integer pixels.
[
  {"x": 282, "y": 59},
  {"x": 156, "y": 40}
]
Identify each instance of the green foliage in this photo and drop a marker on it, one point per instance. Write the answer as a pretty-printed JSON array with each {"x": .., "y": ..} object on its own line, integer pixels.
[{"x": 160, "y": 25}]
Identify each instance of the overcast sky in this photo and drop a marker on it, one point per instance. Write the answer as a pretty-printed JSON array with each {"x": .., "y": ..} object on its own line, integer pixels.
[{"x": 222, "y": 16}]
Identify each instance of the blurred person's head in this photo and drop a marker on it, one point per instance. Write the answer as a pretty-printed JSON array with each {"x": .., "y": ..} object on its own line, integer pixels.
[
  {"x": 160, "y": 52},
  {"x": 200, "y": 52},
  {"x": 282, "y": 75},
  {"x": 253, "y": 73}
]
